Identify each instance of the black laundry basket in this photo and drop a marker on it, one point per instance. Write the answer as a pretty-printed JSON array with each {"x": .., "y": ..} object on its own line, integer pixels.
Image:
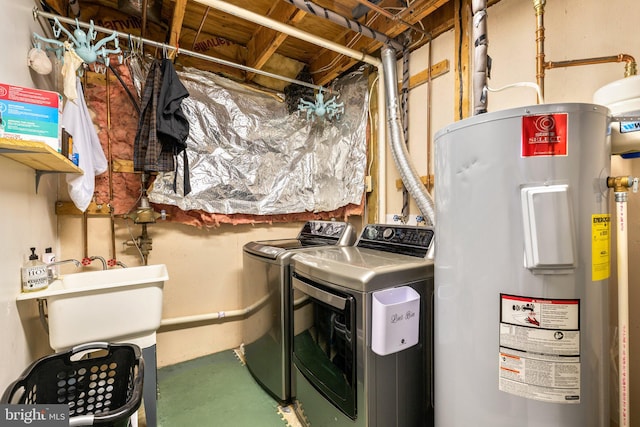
[{"x": 101, "y": 383}]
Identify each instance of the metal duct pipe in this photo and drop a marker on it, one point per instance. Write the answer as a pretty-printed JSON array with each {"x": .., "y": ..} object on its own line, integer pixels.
[
  {"x": 406, "y": 56},
  {"x": 480, "y": 63},
  {"x": 409, "y": 176},
  {"x": 343, "y": 21}
]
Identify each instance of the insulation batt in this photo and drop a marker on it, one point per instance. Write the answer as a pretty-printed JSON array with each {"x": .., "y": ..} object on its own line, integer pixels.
[{"x": 126, "y": 185}]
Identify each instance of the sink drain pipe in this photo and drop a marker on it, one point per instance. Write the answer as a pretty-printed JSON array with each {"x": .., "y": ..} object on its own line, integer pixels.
[{"x": 229, "y": 314}]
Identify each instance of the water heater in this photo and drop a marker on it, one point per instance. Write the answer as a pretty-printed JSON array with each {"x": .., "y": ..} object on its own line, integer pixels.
[
  {"x": 521, "y": 269},
  {"x": 622, "y": 97}
]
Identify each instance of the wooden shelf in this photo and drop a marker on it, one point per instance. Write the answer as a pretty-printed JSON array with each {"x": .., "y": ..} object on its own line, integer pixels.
[{"x": 38, "y": 156}]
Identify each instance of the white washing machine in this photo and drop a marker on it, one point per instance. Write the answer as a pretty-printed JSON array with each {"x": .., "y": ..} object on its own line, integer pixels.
[
  {"x": 341, "y": 378},
  {"x": 266, "y": 285}
]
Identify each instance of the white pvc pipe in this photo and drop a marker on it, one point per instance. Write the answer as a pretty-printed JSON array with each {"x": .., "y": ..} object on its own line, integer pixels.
[
  {"x": 289, "y": 30},
  {"x": 623, "y": 308},
  {"x": 382, "y": 149},
  {"x": 213, "y": 316}
]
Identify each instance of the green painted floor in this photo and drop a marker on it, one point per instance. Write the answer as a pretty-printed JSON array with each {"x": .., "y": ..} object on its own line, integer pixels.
[{"x": 214, "y": 391}]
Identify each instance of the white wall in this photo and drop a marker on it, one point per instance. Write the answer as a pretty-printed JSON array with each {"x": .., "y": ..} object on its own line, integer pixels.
[
  {"x": 575, "y": 29},
  {"x": 26, "y": 218}
]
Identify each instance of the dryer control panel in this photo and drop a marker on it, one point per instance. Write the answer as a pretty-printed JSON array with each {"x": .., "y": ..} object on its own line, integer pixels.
[
  {"x": 402, "y": 239},
  {"x": 318, "y": 232}
]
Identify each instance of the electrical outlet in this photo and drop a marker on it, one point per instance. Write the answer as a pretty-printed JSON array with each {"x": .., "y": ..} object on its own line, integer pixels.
[{"x": 368, "y": 184}]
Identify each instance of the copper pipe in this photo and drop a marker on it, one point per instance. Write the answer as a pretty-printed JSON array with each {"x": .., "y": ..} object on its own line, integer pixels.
[
  {"x": 204, "y": 18},
  {"x": 630, "y": 67},
  {"x": 109, "y": 153},
  {"x": 538, "y": 6},
  {"x": 85, "y": 236},
  {"x": 113, "y": 232}
]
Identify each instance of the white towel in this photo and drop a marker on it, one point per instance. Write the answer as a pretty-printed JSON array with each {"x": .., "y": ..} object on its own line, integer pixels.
[
  {"x": 77, "y": 121},
  {"x": 71, "y": 63}
]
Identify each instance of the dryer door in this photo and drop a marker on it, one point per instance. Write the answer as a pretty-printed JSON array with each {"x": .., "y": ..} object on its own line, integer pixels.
[{"x": 324, "y": 347}]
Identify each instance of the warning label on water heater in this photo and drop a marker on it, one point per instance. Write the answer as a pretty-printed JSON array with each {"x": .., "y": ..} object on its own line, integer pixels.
[
  {"x": 539, "y": 355},
  {"x": 545, "y": 135},
  {"x": 600, "y": 242}
]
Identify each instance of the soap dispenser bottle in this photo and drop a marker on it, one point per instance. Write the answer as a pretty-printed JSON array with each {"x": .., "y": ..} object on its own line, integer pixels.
[{"x": 34, "y": 274}]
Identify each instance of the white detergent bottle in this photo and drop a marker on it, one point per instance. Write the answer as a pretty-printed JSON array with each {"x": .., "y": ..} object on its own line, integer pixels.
[
  {"x": 34, "y": 274},
  {"x": 48, "y": 257}
]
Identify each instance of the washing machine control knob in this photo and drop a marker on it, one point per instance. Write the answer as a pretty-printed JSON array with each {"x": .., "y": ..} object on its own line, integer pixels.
[
  {"x": 388, "y": 233},
  {"x": 371, "y": 232}
]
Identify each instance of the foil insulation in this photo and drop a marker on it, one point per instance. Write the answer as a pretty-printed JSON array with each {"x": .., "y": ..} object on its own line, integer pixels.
[{"x": 248, "y": 155}]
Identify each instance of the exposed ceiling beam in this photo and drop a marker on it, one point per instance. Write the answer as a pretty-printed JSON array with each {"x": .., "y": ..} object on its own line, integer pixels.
[
  {"x": 265, "y": 41},
  {"x": 176, "y": 22}
]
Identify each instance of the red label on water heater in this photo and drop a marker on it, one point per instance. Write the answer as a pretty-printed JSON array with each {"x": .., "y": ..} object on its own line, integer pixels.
[{"x": 544, "y": 135}]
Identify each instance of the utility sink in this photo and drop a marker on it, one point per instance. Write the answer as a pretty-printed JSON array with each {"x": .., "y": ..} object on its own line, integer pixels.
[{"x": 116, "y": 305}]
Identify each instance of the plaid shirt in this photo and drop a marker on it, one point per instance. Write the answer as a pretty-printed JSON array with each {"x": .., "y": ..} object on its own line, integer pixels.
[{"x": 147, "y": 149}]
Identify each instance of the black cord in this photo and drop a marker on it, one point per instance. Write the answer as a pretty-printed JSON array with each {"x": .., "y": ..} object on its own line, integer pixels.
[{"x": 131, "y": 97}]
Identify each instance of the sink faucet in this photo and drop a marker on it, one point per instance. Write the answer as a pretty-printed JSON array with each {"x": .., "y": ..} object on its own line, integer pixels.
[
  {"x": 52, "y": 272},
  {"x": 87, "y": 261}
]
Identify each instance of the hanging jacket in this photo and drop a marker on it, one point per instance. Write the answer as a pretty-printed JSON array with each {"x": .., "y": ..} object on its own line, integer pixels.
[
  {"x": 172, "y": 124},
  {"x": 163, "y": 127}
]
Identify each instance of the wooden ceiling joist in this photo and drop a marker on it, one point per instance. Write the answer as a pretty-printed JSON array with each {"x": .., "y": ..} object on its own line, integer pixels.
[
  {"x": 265, "y": 41},
  {"x": 259, "y": 44},
  {"x": 391, "y": 27},
  {"x": 176, "y": 22}
]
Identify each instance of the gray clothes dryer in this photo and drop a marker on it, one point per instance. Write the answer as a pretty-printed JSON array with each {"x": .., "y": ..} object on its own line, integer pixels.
[
  {"x": 340, "y": 377},
  {"x": 267, "y": 332}
]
